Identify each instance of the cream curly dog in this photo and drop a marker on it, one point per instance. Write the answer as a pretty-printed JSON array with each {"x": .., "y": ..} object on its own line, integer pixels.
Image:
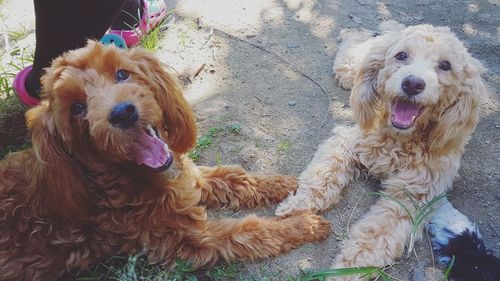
[{"x": 416, "y": 96}]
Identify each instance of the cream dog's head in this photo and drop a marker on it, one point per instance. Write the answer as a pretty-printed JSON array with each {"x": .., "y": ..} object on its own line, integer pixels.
[{"x": 419, "y": 79}]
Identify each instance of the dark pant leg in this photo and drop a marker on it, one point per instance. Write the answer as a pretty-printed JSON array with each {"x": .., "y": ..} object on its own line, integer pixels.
[{"x": 63, "y": 25}]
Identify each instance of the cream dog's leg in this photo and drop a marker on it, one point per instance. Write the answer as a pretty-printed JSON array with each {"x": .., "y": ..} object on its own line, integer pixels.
[
  {"x": 379, "y": 238},
  {"x": 332, "y": 168}
]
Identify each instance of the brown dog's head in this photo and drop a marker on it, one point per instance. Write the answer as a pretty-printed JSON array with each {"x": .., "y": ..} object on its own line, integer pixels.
[
  {"x": 419, "y": 78},
  {"x": 119, "y": 104}
]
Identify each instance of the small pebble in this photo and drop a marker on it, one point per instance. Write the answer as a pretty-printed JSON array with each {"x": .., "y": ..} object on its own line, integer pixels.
[
  {"x": 292, "y": 103},
  {"x": 355, "y": 19}
]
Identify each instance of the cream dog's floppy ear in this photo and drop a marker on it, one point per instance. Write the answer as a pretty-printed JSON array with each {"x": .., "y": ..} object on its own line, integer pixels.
[
  {"x": 364, "y": 98},
  {"x": 460, "y": 118}
]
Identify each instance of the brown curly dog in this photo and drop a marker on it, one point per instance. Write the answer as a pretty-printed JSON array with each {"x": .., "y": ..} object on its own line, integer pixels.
[{"x": 106, "y": 176}]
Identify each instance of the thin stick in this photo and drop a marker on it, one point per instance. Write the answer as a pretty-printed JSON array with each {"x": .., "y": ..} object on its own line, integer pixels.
[
  {"x": 350, "y": 216},
  {"x": 199, "y": 70},
  {"x": 432, "y": 253}
]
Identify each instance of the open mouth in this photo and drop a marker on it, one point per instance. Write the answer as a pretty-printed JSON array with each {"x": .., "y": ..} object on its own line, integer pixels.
[
  {"x": 150, "y": 150},
  {"x": 404, "y": 114}
]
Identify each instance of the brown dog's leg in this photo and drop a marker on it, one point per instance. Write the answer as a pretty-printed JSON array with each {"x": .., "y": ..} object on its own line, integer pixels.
[
  {"x": 233, "y": 187},
  {"x": 252, "y": 238}
]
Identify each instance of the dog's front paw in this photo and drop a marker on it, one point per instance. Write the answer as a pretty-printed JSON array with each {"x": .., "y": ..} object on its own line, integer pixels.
[
  {"x": 345, "y": 83},
  {"x": 282, "y": 186},
  {"x": 276, "y": 188},
  {"x": 294, "y": 203},
  {"x": 308, "y": 226}
]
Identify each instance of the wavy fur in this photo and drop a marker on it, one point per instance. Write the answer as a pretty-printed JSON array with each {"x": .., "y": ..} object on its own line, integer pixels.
[{"x": 78, "y": 197}]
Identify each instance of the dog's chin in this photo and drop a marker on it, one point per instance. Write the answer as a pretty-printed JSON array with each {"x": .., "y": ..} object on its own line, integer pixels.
[
  {"x": 150, "y": 150},
  {"x": 404, "y": 114}
]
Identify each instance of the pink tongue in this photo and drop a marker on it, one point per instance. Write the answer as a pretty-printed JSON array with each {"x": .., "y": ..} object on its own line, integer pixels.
[
  {"x": 404, "y": 113},
  {"x": 150, "y": 151}
]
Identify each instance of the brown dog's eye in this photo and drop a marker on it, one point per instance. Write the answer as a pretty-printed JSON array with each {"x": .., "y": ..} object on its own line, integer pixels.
[
  {"x": 121, "y": 75},
  {"x": 77, "y": 109},
  {"x": 445, "y": 65},
  {"x": 401, "y": 56}
]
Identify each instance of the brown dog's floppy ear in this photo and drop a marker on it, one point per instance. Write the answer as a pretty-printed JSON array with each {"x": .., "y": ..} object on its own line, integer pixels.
[
  {"x": 43, "y": 133},
  {"x": 179, "y": 118},
  {"x": 457, "y": 121},
  {"x": 69, "y": 198},
  {"x": 364, "y": 98}
]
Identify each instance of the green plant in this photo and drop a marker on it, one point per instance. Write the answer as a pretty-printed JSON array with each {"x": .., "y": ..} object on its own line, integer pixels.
[
  {"x": 13, "y": 133},
  {"x": 207, "y": 139},
  {"x": 183, "y": 271},
  {"x": 18, "y": 34},
  {"x": 283, "y": 146},
  {"x": 218, "y": 159},
  {"x": 224, "y": 272},
  {"x": 150, "y": 40},
  {"x": 12, "y": 63},
  {"x": 136, "y": 268},
  {"x": 363, "y": 271},
  {"x": 6, "y": 89},
  {"x": 182, "y": 39}
]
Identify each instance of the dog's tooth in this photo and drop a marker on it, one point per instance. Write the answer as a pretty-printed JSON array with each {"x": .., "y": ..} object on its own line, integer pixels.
[
  {"x": 165, "y": 148},
  {"x": 151, "y": 131}
]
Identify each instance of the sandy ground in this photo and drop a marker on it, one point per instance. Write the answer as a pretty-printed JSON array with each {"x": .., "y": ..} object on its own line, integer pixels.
[
  {"x": 276, "y": 106},
  {"x": 284, "y": 116}
]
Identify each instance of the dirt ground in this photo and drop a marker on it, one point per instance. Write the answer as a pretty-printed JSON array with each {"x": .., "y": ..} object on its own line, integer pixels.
[
  {"x": 262, "y": 65},
  {"x": 284, "y": 116}
]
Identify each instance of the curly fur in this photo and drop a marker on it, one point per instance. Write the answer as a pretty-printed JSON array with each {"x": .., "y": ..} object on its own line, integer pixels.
[
  {"x": 422, "y": 159},
  {"x": 78, "y": 197}
]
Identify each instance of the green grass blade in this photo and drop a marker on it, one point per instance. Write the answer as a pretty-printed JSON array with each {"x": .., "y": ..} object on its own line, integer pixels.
[
  {"x": 448, "y": 269},
  {"x": 426, "y": 210},
  {"x": 410, "y": 196},
  {"x": 340, "y": 272}
]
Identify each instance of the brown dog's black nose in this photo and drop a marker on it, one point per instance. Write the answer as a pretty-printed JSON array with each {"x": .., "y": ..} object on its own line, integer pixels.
[
  {"x": 123, "y": 115},
  {"x": 413, "y": 85}
]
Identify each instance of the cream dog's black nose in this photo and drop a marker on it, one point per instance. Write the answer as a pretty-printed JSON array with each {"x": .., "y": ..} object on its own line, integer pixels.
[
  {"x": 413, "y": 85},
  {"x": 123, "y": 115}
]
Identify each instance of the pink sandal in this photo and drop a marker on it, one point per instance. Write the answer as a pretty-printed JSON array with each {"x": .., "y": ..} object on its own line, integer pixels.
[
  {"x": 154, "y": 11},
  {"x": 20, "y": 88}
]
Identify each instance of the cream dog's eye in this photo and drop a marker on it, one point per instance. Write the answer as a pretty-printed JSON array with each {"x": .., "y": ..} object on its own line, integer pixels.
[
  {"x": 401, "y": 56},
  {"x": 445, "y": 65},
  {"x": 77, "y": 108},
  {"x": 121, "y": 75}
]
